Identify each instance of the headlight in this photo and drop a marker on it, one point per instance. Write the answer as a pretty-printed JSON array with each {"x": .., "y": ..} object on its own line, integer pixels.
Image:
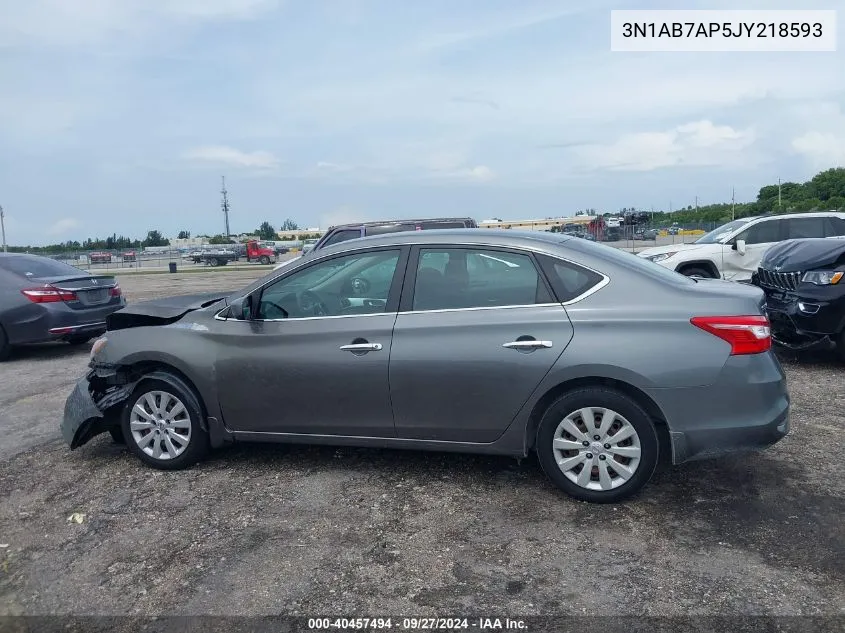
[
  {"x": 823, "y": 277},
  {"x": 661, "y": 256},
  {"x": 98, "y": 345}
]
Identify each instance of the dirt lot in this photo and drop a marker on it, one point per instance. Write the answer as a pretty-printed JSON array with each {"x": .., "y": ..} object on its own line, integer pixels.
[{"x": 268, "y": 530}]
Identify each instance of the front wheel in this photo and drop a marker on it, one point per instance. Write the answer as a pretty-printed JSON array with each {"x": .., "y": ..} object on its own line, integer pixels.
[
  {"x": 213, "y": 262},
  {"x": 695, "y": 271},
  {"x": 161, "y": 424},
  {"x": 264, "y": 260},
  {"x": 597, "y": 444}
]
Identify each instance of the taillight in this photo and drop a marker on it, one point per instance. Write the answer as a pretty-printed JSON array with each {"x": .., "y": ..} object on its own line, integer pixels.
[
  {"x": 115, "y": 291},
  {"x": 48, "y": 294},
  {"x": 746, "y": 334}
]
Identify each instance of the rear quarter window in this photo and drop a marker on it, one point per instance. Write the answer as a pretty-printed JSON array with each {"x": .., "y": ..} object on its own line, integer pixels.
[{"x": 569, "y": 281}]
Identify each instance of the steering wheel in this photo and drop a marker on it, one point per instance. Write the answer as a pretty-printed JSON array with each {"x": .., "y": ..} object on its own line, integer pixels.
[{"x": 310, "y": 304}]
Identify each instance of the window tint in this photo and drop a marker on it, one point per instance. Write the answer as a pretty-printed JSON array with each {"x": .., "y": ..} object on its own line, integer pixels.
[
  {"x": 342, "y": 236},
  {"x": 352, "y": 284},
  {"x": 834, "y": 227},
  {"x": 32, "y": 267},
  {"x": 569, "y": 280},
  {"x": 450, "y": 278},
  {"x": 800, "y": 228},
  {"x": 762, "y": 232}
]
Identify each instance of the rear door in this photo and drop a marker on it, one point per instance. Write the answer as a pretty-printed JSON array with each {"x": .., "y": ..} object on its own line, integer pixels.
[{"x": 477, "y": 331}]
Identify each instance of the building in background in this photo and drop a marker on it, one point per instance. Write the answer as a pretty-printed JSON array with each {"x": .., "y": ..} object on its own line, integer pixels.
[{"x": 535, "y": 225}]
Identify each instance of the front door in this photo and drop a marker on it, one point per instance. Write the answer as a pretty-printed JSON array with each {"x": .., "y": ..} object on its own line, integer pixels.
[
  {"x": 315, "y": 358},
  {"x": 477, "y": 333},
  {"x": 758, "y": 239}
]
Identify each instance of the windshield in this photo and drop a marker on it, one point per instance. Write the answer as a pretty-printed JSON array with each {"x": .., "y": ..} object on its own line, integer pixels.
[
  {"x": 720, "y": 233},
  {"x": 31, "y": 266}
]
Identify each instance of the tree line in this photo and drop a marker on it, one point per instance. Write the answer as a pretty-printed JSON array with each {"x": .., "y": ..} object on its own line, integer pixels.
[{"x": 824, "y": 192}]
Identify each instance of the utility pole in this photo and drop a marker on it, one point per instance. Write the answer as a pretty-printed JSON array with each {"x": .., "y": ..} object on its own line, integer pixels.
[
  {"x": 225, "y": 204},
  {"x": 778, "y": 195},
  {"x": 733, "y": 203},
  {"x": 3, "y": 227},
  {"x": 696, "y": 203}
]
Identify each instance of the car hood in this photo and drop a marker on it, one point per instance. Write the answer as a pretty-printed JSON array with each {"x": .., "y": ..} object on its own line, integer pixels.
[
  {"x": 806, "y": 254},
  {"x": 669, "y": 248},
  {"x": 161, "y": 311}
]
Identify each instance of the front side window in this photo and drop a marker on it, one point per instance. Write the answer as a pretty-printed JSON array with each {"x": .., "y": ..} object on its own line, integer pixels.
[
  {"x": 455, "y": 278},
  {"x": 352, "y": 284},
  {"x": 762, "y": 232}
]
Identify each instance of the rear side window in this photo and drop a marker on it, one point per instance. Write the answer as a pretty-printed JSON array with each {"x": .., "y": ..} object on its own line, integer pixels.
[
  {"x": 569, "y": 281},
  {"x": 341, "y": 236},
  {"x": 456, "y": 278},
  {"x": 800, "y": 228},
  {"x": 36, "y": 267},
  {"x": 834, "y": 227}
]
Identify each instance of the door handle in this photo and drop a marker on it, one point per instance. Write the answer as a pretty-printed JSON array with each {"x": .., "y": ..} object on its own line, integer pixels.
[
  {"x": 361, "y": 347},
  {"x": 527, "y": 344}
]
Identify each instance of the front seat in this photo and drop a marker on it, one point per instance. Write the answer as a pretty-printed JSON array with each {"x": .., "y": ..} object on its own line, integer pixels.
[{"x": 428, "y": 290}]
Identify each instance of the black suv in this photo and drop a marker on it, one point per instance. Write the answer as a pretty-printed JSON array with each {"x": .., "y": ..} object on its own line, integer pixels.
[
  {"x": 344, "y": 232},
  {"x": 804, "y": 282}
]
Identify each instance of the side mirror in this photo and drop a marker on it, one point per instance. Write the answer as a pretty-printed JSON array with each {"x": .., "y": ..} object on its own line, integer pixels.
[
  {"x": 242, "y": 309},
  {"x": 739, "y": 245}
]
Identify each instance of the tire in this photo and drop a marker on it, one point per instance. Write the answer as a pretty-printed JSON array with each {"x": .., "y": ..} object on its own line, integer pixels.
[
  {"x": 264, "y": 260},
  {"x": 605, "y": 483},
  {"x": 5, "y": 348},
  {"x": 188, "y": 442},
  {"x": 696, "y": 271},
  {"x": 116, "y": 433},
  {"x": 213, "y": 262},
  {"x": 840, "y": 347},
  {"x": 80, "y": 339}
]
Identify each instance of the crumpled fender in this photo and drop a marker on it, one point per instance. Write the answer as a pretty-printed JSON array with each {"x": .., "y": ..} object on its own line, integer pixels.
[{"x": 92, "y": 407}]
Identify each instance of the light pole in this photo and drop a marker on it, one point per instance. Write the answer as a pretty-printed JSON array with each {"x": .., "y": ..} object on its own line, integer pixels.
[{"x": 3, "y": 227}]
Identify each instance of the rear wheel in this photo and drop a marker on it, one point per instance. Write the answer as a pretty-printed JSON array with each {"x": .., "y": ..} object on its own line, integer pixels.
[
  {"x": 5, "y": 348},
  {"x": 264, "y": 259},
  {"x": 597, "y": 444},
  {"x": 161, "y": 424},
  {"x": 213, "y": 262},
  {"x": 697, "y": 271}
]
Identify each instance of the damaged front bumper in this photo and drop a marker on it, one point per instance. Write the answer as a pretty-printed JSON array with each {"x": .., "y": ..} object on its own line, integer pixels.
[{"x": 89, "y": 411}]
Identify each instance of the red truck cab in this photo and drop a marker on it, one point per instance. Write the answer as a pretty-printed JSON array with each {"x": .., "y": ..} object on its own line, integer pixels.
[{"x": 257, "y": 253}]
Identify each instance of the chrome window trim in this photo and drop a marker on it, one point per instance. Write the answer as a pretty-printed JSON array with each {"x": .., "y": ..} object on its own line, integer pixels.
[{"x": 605, "y": 280}]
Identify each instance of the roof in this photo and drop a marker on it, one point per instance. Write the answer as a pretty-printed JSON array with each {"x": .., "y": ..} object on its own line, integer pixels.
[
  {"x": 446, "y": 237},
  {"x": 406, "y": 221}
]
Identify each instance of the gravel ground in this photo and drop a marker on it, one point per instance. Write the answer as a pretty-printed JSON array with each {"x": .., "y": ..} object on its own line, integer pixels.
[{"x": 317, "y": 530}]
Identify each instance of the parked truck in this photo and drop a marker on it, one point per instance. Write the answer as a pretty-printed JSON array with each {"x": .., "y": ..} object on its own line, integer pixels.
[{"x": 252, "y": 251}]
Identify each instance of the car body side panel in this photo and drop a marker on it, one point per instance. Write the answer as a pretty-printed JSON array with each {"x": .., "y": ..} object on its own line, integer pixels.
[{"x": 452, "y": 379}]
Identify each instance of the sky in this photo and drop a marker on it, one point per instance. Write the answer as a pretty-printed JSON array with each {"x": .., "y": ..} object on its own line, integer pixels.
[{"x": 121, "y": 116}]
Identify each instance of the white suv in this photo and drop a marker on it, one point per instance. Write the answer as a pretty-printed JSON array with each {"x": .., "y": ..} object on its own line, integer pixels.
[{"x": 734, "y": 250}]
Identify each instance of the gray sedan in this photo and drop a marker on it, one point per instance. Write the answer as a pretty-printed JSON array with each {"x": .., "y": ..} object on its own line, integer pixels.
[
  {"x": 459, "y": 340},
  {"x": 42, "y": 299}
]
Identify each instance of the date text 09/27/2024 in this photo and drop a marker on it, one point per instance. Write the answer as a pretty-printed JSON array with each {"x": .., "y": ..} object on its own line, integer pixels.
[{"x": 417, "y": 624}]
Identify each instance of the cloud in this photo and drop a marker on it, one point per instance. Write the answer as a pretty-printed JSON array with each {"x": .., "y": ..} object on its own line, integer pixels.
[
  {"x": 823, "y": 145},
  {"x": 700, "y": 143},
  {"x": 63, "y": 226},
  {"x": 231, "y": 157},
  {"x": 327, "y": 166},
  {"x": 63, "y": 23}
]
